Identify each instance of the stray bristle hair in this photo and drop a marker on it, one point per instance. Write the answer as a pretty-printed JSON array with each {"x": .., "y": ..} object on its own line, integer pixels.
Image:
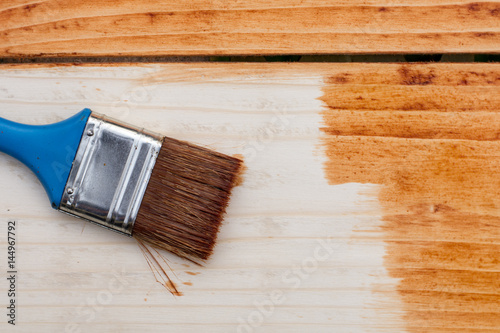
[{"x": 186, "y": 199}]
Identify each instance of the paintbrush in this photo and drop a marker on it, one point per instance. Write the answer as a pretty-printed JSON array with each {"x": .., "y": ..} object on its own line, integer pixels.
[{"x": 165, "y": 192}]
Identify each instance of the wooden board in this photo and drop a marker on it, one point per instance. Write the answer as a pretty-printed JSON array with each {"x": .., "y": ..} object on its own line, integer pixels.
[
  {"x": 370, "y": 202},
  {"x": 205, "y": 27}
]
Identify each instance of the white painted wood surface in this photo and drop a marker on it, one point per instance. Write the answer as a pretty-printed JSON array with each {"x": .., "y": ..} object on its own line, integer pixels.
[{"x": 287, "y": 232}]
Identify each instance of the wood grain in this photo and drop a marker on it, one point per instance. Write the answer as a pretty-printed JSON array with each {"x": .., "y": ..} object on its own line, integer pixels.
[
  {"x": 435, "y": 148},
  {"x": 405, "y": 199},
  {"x": 203, "y": 27}
]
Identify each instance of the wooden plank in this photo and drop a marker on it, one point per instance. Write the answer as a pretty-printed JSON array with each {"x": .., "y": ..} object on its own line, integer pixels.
[
  {"x": 370, "y": 202},
  {"x": 205, "y": 27}
]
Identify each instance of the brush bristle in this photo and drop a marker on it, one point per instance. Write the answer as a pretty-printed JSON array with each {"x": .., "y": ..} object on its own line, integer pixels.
[{"x": 186, "y": 199}]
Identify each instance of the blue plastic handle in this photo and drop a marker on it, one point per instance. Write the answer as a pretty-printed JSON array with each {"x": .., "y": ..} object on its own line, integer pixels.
[{"x": 48, "y": 150}]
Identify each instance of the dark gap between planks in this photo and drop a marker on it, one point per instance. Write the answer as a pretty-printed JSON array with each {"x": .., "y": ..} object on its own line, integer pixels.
[{"x": 461, "y": 58}]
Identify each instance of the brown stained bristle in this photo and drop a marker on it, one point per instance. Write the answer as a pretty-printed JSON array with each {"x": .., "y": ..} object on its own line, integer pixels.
[
  {"x": 186, "y": 199},
  {"x": 157, "y": 268}
]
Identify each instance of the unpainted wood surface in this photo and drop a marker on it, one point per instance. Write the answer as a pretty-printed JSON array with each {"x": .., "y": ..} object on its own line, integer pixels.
[
  {"x": 370, "y": 201},
  {"x": 206, "y": 27}
]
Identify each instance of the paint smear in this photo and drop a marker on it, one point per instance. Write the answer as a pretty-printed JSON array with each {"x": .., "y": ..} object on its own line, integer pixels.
[
  {"x": 157, "y": 263},
  {"x": 430, "y": 135},
  {"x": 243, "y": 169}
]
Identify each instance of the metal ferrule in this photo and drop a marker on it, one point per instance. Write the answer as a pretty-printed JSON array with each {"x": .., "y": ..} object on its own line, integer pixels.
[{"x": 110, "y": 173}]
